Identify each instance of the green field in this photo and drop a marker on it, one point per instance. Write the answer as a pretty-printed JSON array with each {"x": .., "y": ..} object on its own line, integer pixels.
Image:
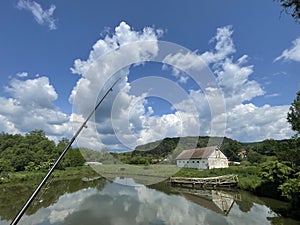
[
  {"x": 37, "y": 176},
  {"x": 143, "y": 174}
]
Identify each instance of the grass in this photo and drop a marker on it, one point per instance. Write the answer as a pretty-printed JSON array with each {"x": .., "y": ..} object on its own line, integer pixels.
[
  {"x": 36, "y": 176},
  {"x": 240, "y": 170},
  {"x": 248, "y": 175},
  {"x": 144, "y": 174},
  {"x": 158, "y": 170}
]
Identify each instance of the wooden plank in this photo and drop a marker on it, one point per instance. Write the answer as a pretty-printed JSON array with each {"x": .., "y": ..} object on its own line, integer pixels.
[{"x": 229, "y": 180}]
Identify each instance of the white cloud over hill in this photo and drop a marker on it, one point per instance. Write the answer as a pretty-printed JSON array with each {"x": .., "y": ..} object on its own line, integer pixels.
[{"x": 125, "y": 117}]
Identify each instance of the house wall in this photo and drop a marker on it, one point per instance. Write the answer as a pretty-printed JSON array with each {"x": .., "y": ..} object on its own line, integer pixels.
[
  {"x": 217, "y": 160},
  {"x": 193, "y": 163},
  {"x": 217, "y": 163}
]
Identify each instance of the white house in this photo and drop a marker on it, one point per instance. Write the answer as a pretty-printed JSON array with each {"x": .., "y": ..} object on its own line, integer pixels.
[
  {"x": 92, "y": 163},
  {"x": 202, "y": 158}
]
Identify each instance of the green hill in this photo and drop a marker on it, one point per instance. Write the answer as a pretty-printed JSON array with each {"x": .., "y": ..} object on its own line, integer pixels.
[{"x": 168, "y": 148}]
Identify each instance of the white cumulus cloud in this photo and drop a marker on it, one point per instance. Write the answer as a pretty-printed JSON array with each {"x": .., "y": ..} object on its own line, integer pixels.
[
  {"x": 103, "y": 61},
  {"x": 245, "y": 121},
  {"x": 30, "y": 106},
  {"x": 292, "y": 53},
  {"x": 41, "y": 16},
  {"x": 131, "y": 123},
  {"x": 224, "y": 45},
  {"x": 22, "y": 74},
  {"x": 125, "y": 117}
]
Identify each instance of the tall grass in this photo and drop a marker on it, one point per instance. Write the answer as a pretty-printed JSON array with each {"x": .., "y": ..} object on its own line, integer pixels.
[{"x": 248, "y": 175}]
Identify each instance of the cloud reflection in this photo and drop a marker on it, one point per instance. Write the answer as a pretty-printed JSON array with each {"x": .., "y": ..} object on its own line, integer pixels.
[{"x": 137, "y": 204}]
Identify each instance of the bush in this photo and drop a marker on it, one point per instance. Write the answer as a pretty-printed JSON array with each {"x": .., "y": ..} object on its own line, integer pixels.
[{"x": 249, "y": 183}]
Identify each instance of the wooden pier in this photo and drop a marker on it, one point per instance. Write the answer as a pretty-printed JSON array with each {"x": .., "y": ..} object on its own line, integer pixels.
[{"x": 230, "y": 180}]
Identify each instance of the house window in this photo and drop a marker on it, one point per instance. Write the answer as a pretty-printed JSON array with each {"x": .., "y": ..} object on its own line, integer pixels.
[
  {"x": 198, "y": 161},
  {"x": 192, "y": 161}
]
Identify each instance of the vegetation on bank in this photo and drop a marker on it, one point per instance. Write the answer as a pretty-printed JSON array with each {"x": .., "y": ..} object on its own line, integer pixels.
[
  {"x": 271, "y": 179},
  {"x": 36, "y": 176},
  {"x": 34, "y": 152}
]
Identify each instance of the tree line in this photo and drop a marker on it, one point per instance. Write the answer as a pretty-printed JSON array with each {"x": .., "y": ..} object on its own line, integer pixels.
[{"x": 34, "y": 151}]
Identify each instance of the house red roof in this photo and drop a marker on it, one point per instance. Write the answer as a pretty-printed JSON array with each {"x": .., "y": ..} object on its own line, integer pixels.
[{"x": 197, "y": 153}]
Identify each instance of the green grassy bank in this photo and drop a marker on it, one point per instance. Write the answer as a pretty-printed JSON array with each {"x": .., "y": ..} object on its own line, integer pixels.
[{"x": 36, "y": 176}]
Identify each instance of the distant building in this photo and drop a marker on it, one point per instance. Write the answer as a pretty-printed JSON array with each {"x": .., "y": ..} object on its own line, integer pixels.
[
  {"x": 92, "y": 163},
  {"x": 243, "y": 154},
  {"x": 202, "y": 158}
]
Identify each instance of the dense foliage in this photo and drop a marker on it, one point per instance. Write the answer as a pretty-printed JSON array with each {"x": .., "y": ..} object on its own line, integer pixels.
[
  {"x": 293, "y": 116},
  {"x": 34, "y": 151},
  {"x": 291, "y": 7}
]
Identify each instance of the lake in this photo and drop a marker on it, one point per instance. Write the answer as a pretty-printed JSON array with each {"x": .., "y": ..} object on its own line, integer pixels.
[{"x": 125, "y": 202}]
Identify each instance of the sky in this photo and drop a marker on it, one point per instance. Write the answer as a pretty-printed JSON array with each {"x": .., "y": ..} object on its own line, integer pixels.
[{"x": 222, "y": 68}]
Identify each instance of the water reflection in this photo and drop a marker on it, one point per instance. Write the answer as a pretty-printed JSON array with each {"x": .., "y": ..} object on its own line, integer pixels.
[
  {"x": 215, "y": 200},
  {"x": 108, "y": 203}
]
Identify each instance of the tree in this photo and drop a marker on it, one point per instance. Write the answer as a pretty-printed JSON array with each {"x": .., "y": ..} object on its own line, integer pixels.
[
  {"x": 232, "y": 150},
  {"x": 255, "y": 157},
  {"x": 293, "y": 115},
  {"x": 5, "y": 166},
  {"x": 273, "y": 174},
  {"x": 268, "y": 147},
  {"x": 76, "y": 158},
  {"x": 291, "y": 190},
  {"x": 289, "y": 152},
  {"x": 291, "y": 7}
]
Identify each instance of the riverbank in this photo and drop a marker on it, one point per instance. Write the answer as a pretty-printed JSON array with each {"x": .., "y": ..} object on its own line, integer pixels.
[
  {"x": 76, "y": 202},
  {"x": 248, "y": 178},
  {"x": 36, "y": 176}
]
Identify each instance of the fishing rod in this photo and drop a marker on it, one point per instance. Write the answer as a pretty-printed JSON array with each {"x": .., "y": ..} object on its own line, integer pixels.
[{"x": 26, "y": 205}]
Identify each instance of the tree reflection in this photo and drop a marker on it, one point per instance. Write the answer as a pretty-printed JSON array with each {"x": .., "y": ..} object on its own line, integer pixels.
[{"x": 13, "y": 197}]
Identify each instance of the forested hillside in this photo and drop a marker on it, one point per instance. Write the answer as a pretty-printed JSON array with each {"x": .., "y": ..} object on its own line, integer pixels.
[
  {"x": 287, "y": 151},
  {"x": 34, "y": 151}
]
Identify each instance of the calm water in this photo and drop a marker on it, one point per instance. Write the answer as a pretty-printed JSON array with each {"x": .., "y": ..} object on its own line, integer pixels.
[{"x": 125, "y": 202}]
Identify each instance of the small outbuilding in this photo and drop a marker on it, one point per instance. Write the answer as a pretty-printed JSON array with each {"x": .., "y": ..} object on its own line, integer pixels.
[{"x": 202, "y": 158}]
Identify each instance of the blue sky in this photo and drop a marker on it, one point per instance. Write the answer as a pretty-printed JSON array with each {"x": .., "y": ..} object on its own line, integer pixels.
[{"x": 40, "y": 41}]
